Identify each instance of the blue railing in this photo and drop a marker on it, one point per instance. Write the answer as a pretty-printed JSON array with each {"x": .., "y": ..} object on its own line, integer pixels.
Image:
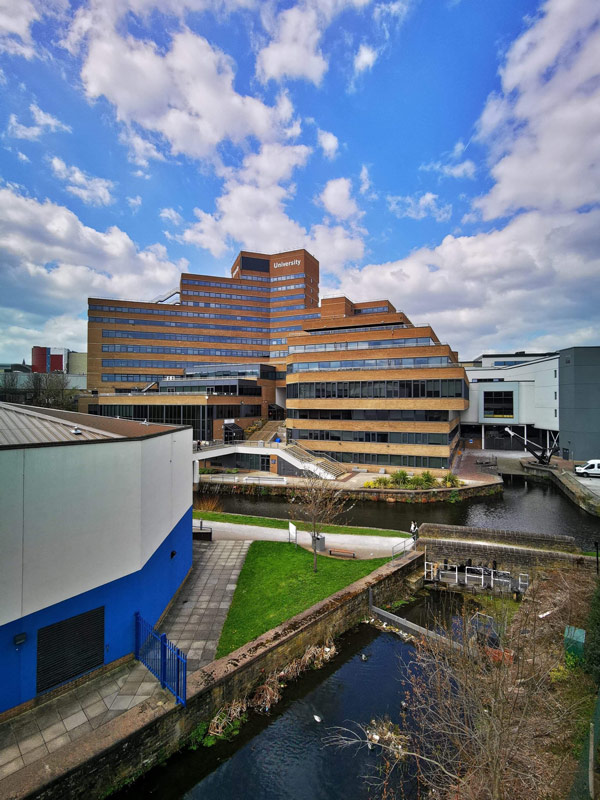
[{"x": 165, "y": 661}]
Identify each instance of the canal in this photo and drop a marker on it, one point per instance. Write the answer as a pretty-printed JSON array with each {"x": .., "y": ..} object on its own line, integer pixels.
[
  {"x": 525, "y": 505},
  {"x": 283, "y": 755}
]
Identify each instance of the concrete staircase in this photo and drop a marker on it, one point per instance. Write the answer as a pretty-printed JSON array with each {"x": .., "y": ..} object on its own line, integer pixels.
[
  {"x": 266, "y": 433},
  {"x": 334, "y": 468}
]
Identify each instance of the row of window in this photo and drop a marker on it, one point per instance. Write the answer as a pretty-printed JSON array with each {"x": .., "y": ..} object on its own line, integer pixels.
[
  {"x": 372, "y": 436},
  {"x": 183, "y": 351},
  {"x": 322, "y": 347},
  {"x": 498, "y": 404},
  {"x": 165, "y": 323},
  {"x": 373, "y": 310},
  {"x": 394, "y": 389},
  {"x": 369, "y": 363},
  {"x": 361, "y": 329},
  {"x": 242, "y": 297},
  {"x": 170, "y": 311},
  {"x": 430, "y": 462},
  {"x": 370, "y": 414},
  {"x": 244, "y": 308},
  {"x": 275, "y": 279},
  {"x": 175, "y": 414},
  {"x": 112, "y": 377},
  {"x": 187, "y": 337},
  {"x": 172, "y": 387},
  {"x": 258, "y": 291}
]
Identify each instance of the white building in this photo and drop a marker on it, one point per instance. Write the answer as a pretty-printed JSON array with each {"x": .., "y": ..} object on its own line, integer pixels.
[
  {"x": 518, "y": 390},
  {"x": 96, "y": 524}
]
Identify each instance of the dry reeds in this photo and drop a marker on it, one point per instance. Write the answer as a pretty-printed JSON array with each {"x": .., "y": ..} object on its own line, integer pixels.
[
  {"x": 225, "y": 716},
  {"x": 208, "y": 501}
]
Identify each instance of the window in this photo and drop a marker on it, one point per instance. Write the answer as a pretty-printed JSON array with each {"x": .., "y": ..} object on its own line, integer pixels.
[{"x": 498, "y": 404}]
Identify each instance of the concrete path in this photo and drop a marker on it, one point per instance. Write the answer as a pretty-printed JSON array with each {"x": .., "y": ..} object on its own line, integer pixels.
[
  {"x": 363, "y": 546},
  {"x": 193, "y": 623}
]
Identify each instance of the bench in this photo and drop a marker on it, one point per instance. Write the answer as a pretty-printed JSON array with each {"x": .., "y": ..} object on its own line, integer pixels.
[
  {"x": 339, "y": 551},
  {"x": 201, "y": 533}
]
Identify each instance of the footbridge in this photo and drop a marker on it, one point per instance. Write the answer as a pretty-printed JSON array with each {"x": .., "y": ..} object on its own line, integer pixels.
[{"x": 295, "y": 455}]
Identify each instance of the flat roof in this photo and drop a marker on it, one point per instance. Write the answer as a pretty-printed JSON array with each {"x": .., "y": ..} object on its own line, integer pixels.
[{"x": 30, "y": 426}]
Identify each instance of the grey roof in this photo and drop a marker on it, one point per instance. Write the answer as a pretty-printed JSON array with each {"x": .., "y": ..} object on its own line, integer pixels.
[{"x": 22, "y": 426}]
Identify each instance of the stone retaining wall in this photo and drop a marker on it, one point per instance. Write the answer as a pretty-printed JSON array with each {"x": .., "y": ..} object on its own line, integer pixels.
[
  {"x": 525, "y": 559},
  {"x": 568, "y": 484},
  {"x": 434, "y": 530},
  {"x": 147, "y": 734}
]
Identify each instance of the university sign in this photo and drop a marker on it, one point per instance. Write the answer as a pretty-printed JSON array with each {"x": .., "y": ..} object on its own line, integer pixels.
[{"x": 294, "y": 263}]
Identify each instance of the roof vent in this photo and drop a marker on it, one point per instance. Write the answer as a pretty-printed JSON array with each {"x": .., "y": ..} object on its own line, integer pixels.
[{"x": 77, "y": 431}]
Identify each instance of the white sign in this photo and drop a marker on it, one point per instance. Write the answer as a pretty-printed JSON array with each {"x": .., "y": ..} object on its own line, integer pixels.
[
  {"x": 228, "y": 421},
  {"x": 294, "y": 263},
  {"x": 292, "y": 534}
]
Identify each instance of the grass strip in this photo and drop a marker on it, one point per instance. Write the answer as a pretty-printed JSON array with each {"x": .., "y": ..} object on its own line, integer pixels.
[
  {"x": 272, "y": 522},
  {"x": 276, "y": 582}
]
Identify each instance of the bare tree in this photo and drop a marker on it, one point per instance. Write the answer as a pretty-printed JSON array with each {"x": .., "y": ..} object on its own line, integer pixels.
[
  {"x": 9, "y": 386},
  {"x": 486, "y": 721},
  {"x": 319, "y": 503},
  {"x": 34, "y": 387}
]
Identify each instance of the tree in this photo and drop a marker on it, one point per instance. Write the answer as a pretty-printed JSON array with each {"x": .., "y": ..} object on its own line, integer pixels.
[
  {"x": 9, "y": 387},
  {"x": 484, "y": 722},
  {"x": 33, "y": 388},
  {"x": 319, "y": 503}
]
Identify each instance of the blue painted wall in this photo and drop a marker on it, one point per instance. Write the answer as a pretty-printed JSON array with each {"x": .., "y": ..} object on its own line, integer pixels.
[{"x": 148, "y": 591}]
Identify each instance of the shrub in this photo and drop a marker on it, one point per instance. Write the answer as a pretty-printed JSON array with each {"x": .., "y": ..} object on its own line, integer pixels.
[
  {"x": 416, "y": 482},
  {"x": 592, "y": 638},
  {"x": 399, "y": 478},
  {"x": 429, "y": 481},
  {"x": 451, "y": 480},
  {"x": 382, "y": 482}
]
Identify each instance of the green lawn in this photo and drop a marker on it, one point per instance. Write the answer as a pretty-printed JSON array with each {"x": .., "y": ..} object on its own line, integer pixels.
[
  {"x": 270, "y": 522},
  {"x": 276, "y": 582}
]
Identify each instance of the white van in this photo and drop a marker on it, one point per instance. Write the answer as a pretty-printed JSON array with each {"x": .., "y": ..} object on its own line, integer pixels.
[{"x": 591, "y": 469}]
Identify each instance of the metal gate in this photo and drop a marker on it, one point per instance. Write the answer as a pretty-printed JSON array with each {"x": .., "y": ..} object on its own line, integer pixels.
[
  {"x": 69, "y": 648},
  {"x": 164, "y": 660}
]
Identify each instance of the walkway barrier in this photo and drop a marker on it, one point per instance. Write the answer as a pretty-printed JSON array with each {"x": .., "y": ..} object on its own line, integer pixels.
[
  {"x": 402, "y": 548},
  {"x": 165, "y": 661},
  {"x": 494, "y": 579}
]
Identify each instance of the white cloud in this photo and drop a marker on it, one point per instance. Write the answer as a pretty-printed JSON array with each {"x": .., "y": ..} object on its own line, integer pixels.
[
  {"x": 464, "y": 169},
  {"x": 140, "y": 150},
  {"x": 328, "y": 142},
  {"x": 44, "y": 122},
  {"x": 337, "y": 199},
  {"x": 542, "y": 129},
  {"x": 366, "y": 187},
  {"x": 93, "y": 191},
  {"x": 51, "y": 263},
  {"x": 364, "y": 59},
  {"x": 490, "y": 291},
  {"x": 134, "y": 203},
  {"x": 419, "y": 207},
  {"x": 22, "y": 157},
  {"x": 171, "y": 216},
  {"x": 183, "y": 92},
  {"x": 295, "y": 47}
]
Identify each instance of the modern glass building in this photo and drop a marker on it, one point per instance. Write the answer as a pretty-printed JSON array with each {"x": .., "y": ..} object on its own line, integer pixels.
[{"x": 358, "y": 382}]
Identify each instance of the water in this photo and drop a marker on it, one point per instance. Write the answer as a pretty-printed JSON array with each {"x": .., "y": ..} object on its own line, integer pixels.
[
  {"x": 283, "y": 755},
  {"x": 524, "y": 506}
]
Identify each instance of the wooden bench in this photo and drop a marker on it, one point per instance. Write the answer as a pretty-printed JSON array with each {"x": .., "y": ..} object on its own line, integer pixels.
[{"x": 338, "y": 551}]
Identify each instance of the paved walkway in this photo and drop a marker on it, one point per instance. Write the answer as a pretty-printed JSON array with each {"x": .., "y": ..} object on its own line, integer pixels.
[
  {"x": 363, "y": 546},
  {"x": 193, "y": 623}
]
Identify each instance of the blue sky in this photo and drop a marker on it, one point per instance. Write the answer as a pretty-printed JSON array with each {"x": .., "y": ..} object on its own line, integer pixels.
[{"x": 442, "y": 154}]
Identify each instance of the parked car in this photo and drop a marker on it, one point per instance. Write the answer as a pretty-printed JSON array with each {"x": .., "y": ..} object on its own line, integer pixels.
[{"x": 591, "y": 469}]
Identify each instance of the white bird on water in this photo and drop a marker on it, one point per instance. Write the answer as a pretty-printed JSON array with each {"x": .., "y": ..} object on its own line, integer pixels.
[{"x": 317, "y": 718}]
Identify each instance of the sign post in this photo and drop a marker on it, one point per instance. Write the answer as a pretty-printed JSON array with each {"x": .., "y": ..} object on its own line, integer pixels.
[{"x": 292, "y": 533}]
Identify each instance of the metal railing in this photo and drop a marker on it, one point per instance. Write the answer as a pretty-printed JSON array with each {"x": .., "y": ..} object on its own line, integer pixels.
[
  {"x": 164, "y": 660},
  {"x": 401, "y": 548}
]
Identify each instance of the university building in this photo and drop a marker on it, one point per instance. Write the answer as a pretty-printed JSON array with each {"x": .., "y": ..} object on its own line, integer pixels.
[{"x": 356, "y": 383}]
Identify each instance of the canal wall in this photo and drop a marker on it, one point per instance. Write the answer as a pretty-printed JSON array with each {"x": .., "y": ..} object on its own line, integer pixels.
[
  {"x": 146, "y": 735},
  {"x": 568, "y": 485},
  {"x": 524, "y": 559},
  {"x": 492, "y": 486},
  {"x": 434, "y": 530}
]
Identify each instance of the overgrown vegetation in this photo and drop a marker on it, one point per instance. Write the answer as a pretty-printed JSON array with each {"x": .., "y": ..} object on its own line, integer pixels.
[
  {"x": 425, "y": 480},
  {"x": 592, "y": 638},
  {"x": 276, "y": 583}
]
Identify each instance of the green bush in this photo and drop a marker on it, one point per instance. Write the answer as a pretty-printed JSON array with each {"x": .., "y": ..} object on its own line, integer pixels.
[
  {"x": 399, "y": 478},
  {"x": 429, "y": 480},
  {"x": 416, "y": 482},
  {"x": 382, "y": 482},
  {"x": 592, "y": 638},
  {"x": 451, "y": 480},
  {"x": 207, "y": 471}
]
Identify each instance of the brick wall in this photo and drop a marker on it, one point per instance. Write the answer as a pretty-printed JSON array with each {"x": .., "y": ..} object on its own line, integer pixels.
[
  {"x": 434, "y": 530},
  {"x": 140, "y": 738}
]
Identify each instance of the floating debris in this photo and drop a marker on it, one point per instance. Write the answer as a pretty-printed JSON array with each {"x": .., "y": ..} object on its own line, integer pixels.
[{"x": 317, "y": 718}]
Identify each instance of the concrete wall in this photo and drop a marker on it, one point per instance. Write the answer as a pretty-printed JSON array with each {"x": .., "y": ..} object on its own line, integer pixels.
[{"x": 580, "y": 403}]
